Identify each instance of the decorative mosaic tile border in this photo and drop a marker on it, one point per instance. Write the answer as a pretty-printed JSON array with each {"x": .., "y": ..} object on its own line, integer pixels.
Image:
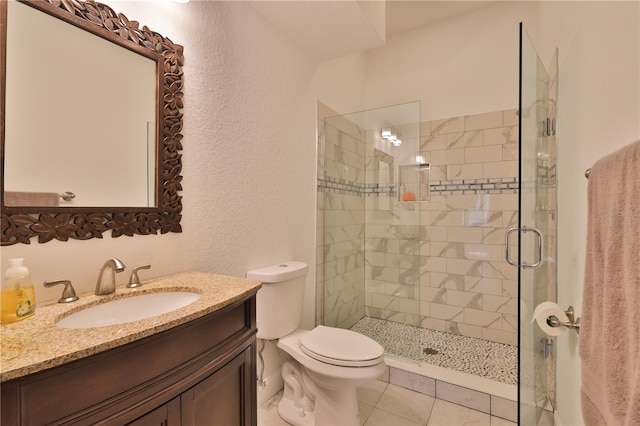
[
  {"x": 546, "y": 173},
  {"x": 339, "y": 186},
  {"x": 508, "y": 185}
]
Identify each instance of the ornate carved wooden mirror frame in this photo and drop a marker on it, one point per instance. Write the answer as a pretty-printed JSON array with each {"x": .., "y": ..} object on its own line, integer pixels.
[{"x": 19, "y": 224}]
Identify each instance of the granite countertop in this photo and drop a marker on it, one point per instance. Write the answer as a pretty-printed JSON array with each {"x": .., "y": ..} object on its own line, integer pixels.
[{"x": 36, "y": 343}]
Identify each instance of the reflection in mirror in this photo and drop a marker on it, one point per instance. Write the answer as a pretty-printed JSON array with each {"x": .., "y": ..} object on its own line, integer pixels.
[
  {"x": 383, "y": 163},
  {"x": 115, "y": 163},
  {"x": 56, "y": 120}
]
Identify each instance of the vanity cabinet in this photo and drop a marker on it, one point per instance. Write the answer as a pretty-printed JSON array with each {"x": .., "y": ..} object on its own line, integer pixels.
[
  {"x": 219, "y": 394},
  {"x": 165, "y": 415},
  {"x": 198, "y": 373}
]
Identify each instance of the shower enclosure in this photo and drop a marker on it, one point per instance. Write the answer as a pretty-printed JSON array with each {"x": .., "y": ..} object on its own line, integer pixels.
[
  {"x": 411, "y": 247},
  {"x": 411, "y": 234}
]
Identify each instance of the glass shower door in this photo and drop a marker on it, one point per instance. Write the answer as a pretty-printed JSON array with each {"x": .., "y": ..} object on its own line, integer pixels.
[
  {"x": 374, "y": 187},
  {"x": 537, "y": 233}
]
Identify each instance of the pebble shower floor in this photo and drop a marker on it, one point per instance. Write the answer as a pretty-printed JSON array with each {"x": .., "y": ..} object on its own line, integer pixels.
[{"x": 491, "y": 360}]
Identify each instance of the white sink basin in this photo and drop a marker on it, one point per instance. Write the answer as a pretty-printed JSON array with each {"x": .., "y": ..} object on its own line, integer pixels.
[{"x": 128, "y": 309}]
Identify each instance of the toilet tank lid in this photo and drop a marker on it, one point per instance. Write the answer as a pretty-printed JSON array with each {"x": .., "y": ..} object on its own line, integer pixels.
[{"x": 279, "y": 272}]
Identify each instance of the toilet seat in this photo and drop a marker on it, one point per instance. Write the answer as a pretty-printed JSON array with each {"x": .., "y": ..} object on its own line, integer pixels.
[{"x": 341, "y": 347}]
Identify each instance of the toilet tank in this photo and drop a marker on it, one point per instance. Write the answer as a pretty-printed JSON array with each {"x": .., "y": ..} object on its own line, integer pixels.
[{"x": 279, "y": 301}]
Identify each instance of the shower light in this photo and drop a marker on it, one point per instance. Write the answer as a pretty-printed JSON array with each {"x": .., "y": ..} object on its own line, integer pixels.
[{"x": 391, "y": 136}]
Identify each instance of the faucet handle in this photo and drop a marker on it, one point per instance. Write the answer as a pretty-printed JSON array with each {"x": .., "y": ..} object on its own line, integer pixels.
[
  {"x": 68, "y": 294},
  {"x": 134, "y": 280}
]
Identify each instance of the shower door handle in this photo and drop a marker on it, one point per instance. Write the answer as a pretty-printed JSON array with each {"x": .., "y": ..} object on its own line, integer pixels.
[
  {"x": 507, "y": 251},
  {"x": 539, "y": 240}
]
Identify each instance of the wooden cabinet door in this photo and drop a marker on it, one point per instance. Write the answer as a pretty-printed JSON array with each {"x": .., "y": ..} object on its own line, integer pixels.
[
  {"x": 165, "y": 415},
  {"x": 223, "y": 398}
]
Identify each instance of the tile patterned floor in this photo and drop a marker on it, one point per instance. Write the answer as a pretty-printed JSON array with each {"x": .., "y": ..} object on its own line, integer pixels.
[
  {"x": 383, "y": 404},
  {"x": 495, "y": 361}
]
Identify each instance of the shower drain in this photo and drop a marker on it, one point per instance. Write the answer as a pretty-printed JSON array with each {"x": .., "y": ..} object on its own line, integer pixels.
[{"x": 430, "y": 351}]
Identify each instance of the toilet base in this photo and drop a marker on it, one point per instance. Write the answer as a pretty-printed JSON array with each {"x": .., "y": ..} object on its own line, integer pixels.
[
  {"x": 298, "y": 417},
  {"x": 305, "y": 403},
  {"x": 293, "y": 415}
]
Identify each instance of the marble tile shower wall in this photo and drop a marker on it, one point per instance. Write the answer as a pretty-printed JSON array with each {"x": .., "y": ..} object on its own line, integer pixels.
[
  {"x": 464, "y": 284},
  {"x": 393, "y": 233},
  {"x": 340, "y": 281}
]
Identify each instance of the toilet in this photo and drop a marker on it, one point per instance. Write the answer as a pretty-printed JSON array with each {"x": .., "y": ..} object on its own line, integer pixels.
[{"x": 327, "y": 364}]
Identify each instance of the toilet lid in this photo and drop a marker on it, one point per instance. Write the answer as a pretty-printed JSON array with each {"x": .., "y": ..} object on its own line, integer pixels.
[{"x": 341, "y": 347}]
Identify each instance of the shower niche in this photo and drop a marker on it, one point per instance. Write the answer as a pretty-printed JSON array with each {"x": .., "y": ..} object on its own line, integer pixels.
[{"x": 413, "y": 182}]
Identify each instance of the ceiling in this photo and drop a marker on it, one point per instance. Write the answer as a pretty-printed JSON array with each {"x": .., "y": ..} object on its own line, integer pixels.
[
  {"x": 329, "y": 29},
  {"x": 402, "y": 16}
]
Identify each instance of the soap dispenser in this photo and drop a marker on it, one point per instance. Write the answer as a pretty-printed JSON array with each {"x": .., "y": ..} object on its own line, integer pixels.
[{"x": 18, "y": 298}]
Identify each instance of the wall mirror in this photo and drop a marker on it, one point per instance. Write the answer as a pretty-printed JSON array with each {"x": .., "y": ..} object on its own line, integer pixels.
[{"x": 90, "y": 123}]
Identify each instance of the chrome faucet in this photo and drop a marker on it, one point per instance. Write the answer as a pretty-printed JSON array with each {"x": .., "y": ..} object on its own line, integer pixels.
[{"x": 103, "y": 288}]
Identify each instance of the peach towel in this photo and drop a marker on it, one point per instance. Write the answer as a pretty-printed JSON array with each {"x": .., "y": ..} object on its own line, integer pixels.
[{"x": 610, "y": 331}]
